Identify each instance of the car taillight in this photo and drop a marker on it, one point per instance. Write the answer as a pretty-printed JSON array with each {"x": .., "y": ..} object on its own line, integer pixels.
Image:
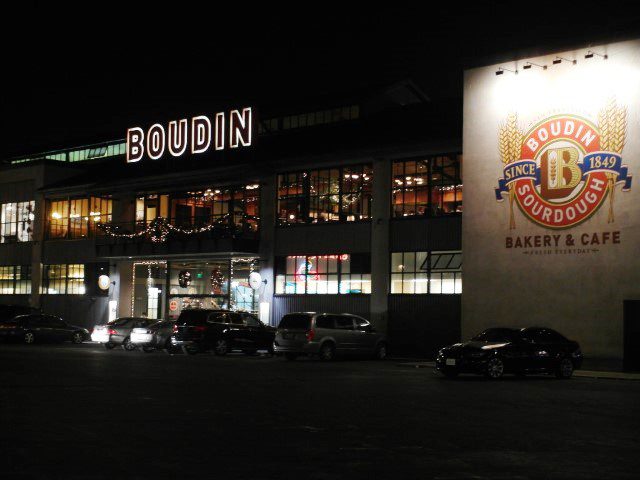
[
  {"x": 175, "y": 329},
  {"x": 111, "y": 331},
  {"x": 310, "y": 335}
]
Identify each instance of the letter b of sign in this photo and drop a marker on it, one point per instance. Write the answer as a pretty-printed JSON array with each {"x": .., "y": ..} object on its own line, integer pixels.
[{"x": 559, "y": 172}]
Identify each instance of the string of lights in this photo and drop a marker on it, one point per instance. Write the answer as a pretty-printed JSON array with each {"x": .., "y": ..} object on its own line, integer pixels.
[{"x": 159, "y": 229}]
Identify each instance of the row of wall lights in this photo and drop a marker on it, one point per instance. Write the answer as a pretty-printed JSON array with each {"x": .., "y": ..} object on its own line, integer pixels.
[{"x": 556, "y": 61}]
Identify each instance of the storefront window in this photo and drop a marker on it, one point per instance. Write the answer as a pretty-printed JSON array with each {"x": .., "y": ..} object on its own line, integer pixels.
[
  {"x": 149, "y": 283},
  {"x": 323, "y": 274},
  {"x": 63, "y": 279},
  {"x": 16, "y": 222},
  {"x": 327, "y": 195},
  {"x": 428, "y": 187},
  {"x": 426, "y": 272},
  {"x": 15, "y": 280}
]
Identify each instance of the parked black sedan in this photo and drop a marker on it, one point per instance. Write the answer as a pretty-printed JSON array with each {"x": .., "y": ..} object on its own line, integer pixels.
[
  {"x": 221, "y": 331},
  {"x": 497, "y": 351},
  {"x": 37, "y": 327}
]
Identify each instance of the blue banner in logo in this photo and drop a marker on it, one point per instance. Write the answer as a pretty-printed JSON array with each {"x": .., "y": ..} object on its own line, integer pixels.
[{"x": 607, "y": 162}]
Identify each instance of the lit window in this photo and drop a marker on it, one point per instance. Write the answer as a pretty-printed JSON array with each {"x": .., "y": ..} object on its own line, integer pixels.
[
  {"x": 15, "y": 280},
  {"x": 16, "y": 222},
  {"x": 325, "y": 195},
  {"x": 63, "y": 279},
  {"x": 323, "y": 274},
  {"x": 427, "y": 187},
  {"x": 424, "y": 272}
]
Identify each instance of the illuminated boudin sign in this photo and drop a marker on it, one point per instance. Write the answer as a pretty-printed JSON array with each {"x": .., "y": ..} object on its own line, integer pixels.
[{"x": 197, "y": 135}]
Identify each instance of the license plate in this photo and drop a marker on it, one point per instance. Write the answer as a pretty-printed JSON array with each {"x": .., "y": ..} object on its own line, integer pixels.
[{"x": 451, "y": 362}]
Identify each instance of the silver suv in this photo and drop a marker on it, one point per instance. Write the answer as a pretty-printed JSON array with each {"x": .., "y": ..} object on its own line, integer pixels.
[{"x": 326, "y": 335}]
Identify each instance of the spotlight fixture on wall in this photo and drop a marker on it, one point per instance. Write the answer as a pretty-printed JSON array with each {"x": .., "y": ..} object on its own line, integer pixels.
[
  {"x": 559, "y": 60},
  {"x": 501, "y": 71},
  {"x": 528, "y": 65},
  {"x": 591, "y": 53}
]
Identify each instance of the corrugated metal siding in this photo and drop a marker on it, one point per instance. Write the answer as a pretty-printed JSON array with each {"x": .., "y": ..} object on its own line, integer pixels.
[
  {"x": 323, "y": 239},
  {"x": 421, "y": 324},
  {"x": 441, "y": 233},
  {"x": 356, "y": 304}
]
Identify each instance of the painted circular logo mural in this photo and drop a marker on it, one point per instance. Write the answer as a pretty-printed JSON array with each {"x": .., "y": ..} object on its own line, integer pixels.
[{"x": 559, "y": 172}]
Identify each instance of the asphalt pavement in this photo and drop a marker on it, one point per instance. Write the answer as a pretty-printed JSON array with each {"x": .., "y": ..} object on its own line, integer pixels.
[{"x": 81, "y": 412}]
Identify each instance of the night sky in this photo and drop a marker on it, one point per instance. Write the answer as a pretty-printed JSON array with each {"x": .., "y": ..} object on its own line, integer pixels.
[{"x": 73, "y": 77}]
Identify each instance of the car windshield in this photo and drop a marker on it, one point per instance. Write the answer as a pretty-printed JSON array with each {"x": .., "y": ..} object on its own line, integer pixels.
[
  {"x": 119, "y": 322},
  {"x": 496, "y": 335},
  {"x": 296, "y": 321}
]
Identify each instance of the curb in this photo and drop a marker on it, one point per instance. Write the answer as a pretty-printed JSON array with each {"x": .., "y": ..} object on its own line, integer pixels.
[{"x": 577, "y": 373}]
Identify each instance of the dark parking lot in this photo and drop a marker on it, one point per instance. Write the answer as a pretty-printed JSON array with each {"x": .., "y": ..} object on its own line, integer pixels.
[{"x": 81, "y": 412}]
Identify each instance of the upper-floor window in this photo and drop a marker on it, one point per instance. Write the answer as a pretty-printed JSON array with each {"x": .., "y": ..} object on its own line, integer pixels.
[
  {"x": 238, "y": 206},
  {"x": 15, "y": 279},
  {"x": 431, "y": 186},
  {"x": 16, "y": 222},
  {"x": 77, "y": 217},
  {"x": 327, "y": 195},
  {"x": 426, "y": 272}
]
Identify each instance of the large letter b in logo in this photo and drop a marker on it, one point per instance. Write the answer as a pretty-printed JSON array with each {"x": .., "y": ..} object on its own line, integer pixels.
[{"x": 559, "y": 172}]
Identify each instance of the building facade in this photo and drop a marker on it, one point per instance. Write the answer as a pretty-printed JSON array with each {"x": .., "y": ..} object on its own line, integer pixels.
[
  {"x": 352, "y": 207},
  {"x": 551, "y": 232}
]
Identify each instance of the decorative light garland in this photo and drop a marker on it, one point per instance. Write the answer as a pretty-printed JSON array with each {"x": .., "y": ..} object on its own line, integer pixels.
[{"x": 159, "y": 228}]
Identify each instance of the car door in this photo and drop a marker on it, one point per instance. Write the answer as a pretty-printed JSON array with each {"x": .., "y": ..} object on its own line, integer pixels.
[
  {"x": 365, "y": 335},
  {"x": 39, "y": 326},
  {"x": 239, "y": 331},
  {"x": 536, "y": 353},
  {"x": 60, "y": 331},
  {"x": 345, "y": 334},
  {"x": 256, "y": 331}
]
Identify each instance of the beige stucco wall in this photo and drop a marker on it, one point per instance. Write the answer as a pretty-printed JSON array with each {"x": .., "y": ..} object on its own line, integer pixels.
[{"x": 581, "y": 291}]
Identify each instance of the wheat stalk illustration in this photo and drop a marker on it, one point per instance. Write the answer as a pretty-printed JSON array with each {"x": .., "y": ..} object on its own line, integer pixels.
[
  {"x": 612, "y": 122},
  {"x": 509, "y": 144}
]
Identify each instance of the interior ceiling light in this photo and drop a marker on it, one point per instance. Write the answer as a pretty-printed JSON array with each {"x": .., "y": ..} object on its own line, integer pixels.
[
  {"x": 558, "y": 60},
  {"x": 528, "y": 65},
  {"x": 591, "y": 53}
]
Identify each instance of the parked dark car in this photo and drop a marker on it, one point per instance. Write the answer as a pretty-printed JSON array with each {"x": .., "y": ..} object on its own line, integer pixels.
[
  {"x": 327, "y": 335},
  {"x": 497, "y": 351},
  {"x": 156, "y": 336},
  {"x": 118, "y": 332},
  {"x": 37, "y": 327},
  {"x": 221, "y": 331}
]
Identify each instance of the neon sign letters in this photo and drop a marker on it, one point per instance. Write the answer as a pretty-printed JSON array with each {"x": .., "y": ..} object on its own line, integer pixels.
[{"x": 198, "y": 135}]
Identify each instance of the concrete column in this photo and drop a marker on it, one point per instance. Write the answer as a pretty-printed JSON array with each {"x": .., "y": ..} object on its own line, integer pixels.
[
  {"x": 37, "y": 250},
  {"x": 267, "y": 243},
  {"x": 380, "y": 215},
  {"x": 125, "y": 273}
]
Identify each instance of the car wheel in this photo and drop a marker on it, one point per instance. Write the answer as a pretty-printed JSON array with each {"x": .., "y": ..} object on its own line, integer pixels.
[
  {"x": 109, "y": 346},
  {"x": 148, "y": 349},
  {"x": 565, "y": 368},
  {"x": 77, "y": 337},
  {"x": 381, "y": 352},
  {"x": 327, "y": 352},
  {"x": 290, "y": 356},
  {"x": 271, "y": 349},
  {"x": 29, "y": 338},
  {"x": 221, "y": 347},
  {"x": 495, "y": 368},
  {"x": 168, "y": 347},
  {"x": 128, "y": 346}
]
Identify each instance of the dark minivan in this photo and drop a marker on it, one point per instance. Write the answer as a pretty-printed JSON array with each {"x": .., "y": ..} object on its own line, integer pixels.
[{"x": 221, "y": 331}]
